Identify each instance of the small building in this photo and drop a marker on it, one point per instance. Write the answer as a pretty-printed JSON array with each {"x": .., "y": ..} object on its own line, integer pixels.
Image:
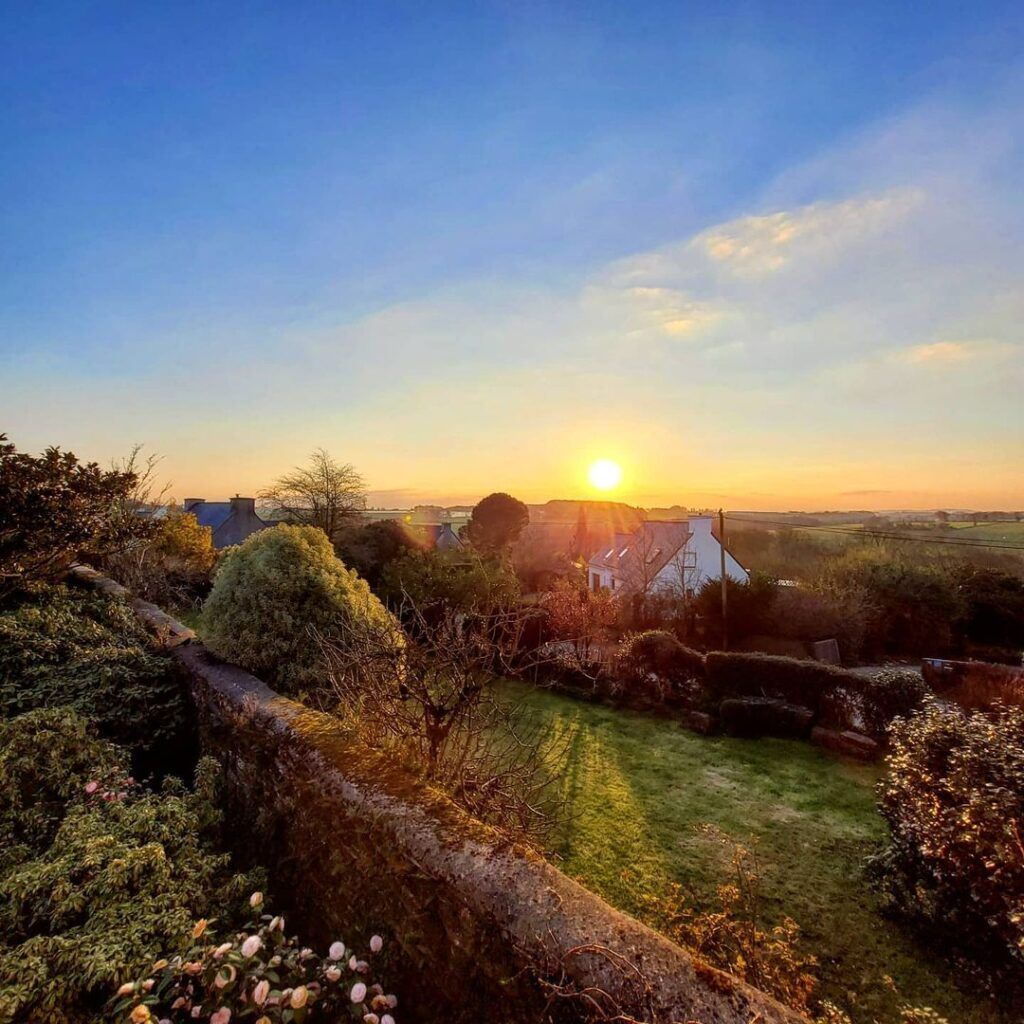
[
  {"x": 231, "y": 521},
  {"x": 662, "y": 557},
  {"x": 439, "y": 537}
]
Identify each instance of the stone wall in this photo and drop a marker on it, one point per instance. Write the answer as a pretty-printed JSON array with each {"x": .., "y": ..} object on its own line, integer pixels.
[{"x": 475, "y": 926}]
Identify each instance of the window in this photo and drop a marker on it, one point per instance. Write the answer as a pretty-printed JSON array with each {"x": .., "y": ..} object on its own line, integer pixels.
[
  {"x": 653, "y": 555},
  {"x": 622, "y": 553}
]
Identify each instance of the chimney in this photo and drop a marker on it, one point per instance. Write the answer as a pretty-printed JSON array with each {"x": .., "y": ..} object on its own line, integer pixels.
[
  {"x": 246, "y": 506},
  {"x": 190, "y": 503}
]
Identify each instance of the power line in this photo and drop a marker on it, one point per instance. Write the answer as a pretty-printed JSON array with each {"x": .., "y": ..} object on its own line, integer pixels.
[{"x": 962, "y": 543}]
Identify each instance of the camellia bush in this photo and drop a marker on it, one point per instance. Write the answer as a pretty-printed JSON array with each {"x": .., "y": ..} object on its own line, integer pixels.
[
  {"x": 954, "y": 801},
  {"x": 98, "y": 875},
  {"x": 276, "y": 594},
  {"x": 72, "y": 648},
  {"x": 257, "y": 974}
]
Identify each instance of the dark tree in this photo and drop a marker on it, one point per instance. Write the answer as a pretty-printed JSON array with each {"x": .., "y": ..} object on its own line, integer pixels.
[
  {"x": 55, "y": 509},
  {"x": 496, "y": 523},
  {"x": 369, "y": 549}
]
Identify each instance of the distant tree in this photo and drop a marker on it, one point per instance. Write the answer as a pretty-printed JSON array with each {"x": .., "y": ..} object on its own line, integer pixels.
[
  {"x": 942, "y": 517},
  {"x": 325, "y": 493},
  {"x": 437, "y": 583},
  {"x": 370, "y": 548},
  {"x": 496, "y": 523},
  {"x": 54, "y": 509},
  {"x": 748, "y": 604}
]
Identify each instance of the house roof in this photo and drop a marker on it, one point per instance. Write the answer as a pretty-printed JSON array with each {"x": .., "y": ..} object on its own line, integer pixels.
[
  {"x": 642, "y": 554},
  {"x": 213, "y": 514}
]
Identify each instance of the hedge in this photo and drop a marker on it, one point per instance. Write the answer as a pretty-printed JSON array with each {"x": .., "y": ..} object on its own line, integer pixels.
[{"x": 765, "y": 675}]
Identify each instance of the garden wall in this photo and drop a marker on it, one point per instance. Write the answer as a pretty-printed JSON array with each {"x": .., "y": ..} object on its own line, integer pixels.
[{"x": 476, "y": 926}]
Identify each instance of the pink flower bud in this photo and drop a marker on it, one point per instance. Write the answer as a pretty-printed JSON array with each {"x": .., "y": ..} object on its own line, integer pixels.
[
  {"x": 376, "y": 944},
  {"x": 358, "y": 993}
]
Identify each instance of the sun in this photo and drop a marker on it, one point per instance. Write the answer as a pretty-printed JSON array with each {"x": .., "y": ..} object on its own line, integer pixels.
[{"x": 604, "y": 474}]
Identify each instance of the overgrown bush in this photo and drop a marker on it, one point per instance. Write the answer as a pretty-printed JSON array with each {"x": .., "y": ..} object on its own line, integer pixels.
[
  {"x": 801, "y": 613},
  {"x": 659, "y": 652},
  {"x": 171, "y": 566},
  {"x": 54, "y": 509},
  {"x": 749, "y": 605},
  {"x": 954, "y": 802},
  {"x": 274, "y": 594},
  {"x": 66, "y": 647},
  {"x": 257, "y": 973},
  {"x": 888, "y": 695},
  {"x": 805, "y": 683},
  {"x": 123, "y": 878},
  {"x": 44, "y": 757}
]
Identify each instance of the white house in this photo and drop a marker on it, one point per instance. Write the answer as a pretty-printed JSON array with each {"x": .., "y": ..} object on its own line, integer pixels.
[{"x": 675, "y": 557}]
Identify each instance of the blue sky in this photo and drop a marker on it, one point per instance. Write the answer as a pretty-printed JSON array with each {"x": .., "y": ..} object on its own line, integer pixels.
[{"x": 765, "y": 254}]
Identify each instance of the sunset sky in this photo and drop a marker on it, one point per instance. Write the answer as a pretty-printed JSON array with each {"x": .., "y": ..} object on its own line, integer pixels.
[{"x": 772, "y": 258}]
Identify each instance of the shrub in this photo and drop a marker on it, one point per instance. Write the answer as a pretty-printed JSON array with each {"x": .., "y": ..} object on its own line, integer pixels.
[
  {"x": 749, "y": 605},
  {"x": 47, "y": 757},
  {"x": 993, "y": 608},
  {"x": 274, "y": 593},
  {"x": 88, "y": 651},
  {"x": 172, "y": 565},
  {"x": 954, "y": 802},
  {"x": 256, "y": 972},
  {"x": 54, "y": 509},
  {"x": 579, "y": 616},
  {"x": 434, "y": 584},
  {"x": 124, "y": 877},
  {"x": 764, "y": 675},
  {"x": 800, "y": 613},
  {"x": 659, "y": 652},
  {"x": 888, "y": 695}
]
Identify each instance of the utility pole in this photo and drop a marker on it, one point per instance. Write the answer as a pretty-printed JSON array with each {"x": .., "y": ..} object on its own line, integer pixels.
[{"x": 725, "y": 599}]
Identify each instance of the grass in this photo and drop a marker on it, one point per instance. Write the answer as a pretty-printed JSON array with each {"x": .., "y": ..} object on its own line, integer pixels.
[{"x": 638, "y": 787}]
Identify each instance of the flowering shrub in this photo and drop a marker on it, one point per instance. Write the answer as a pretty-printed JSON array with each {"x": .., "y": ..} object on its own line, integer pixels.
[
  {"x": 954, "y": 801},
  {"x": 122, "y": 879},
  {"x": 88, "y": 651},
  {"x": 47, "y": 761},
  {"x": 273, "y": 593},
  {"x": 256, "y": 974}
]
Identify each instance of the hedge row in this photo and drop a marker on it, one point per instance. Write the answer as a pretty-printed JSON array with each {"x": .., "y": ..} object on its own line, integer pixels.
[{"x": 807, "y": 683}]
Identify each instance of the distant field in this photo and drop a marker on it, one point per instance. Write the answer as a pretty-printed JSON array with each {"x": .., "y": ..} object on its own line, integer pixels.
[{"x": 1010, "y": 533}]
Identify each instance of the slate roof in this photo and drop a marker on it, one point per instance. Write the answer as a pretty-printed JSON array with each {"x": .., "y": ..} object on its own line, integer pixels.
[
  {"x": 644, "y": 553},
  {"x": 213, "y": 514}
]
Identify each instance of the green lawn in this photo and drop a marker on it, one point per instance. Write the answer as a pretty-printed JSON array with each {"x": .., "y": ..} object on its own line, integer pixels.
[{"x": 636, "y": 789}]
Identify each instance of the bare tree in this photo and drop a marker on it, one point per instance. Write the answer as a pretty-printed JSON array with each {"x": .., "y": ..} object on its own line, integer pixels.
[
  {"x": 324, "y": 493},
  {"x": 429, "y": 701}
]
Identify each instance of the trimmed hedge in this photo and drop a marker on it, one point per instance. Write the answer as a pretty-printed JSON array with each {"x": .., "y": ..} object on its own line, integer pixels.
[
  {"x": 658, "y": 651},
  {"x": 753, "y": 717},
  {"x": 806, "y": 683}
]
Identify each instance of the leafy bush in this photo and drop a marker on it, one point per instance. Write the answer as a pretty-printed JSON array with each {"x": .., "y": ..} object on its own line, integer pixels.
[
  {"x": 370, "y": 548},
  {"x": 88, "y": 651},
  {"x": 274, "y": 593},
  {"x": 954, "y": 801},
  {"x": 659, "y": 652},
  {"x": 765, "y": 675},
  {"x": 888, "y": 695},
  {"x": 123, "y": 878},
  {"x": 801, "y": 613},
  {"x": 909, "y": 608},
  {"x": 496, "y": 522},
  {"x": 749, "y": 605},
  {"x": 44, "y": 757},
  {"x": 256, "y": 972},
  {"x": 171, "y": 566},
  {"x": 54, "y": 509},
  {"x": 434, "y": 584},
  {"x": 993, "y": 608}
]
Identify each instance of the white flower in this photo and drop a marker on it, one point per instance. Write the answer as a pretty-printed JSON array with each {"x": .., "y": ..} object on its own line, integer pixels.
[
  {"x": 221, "y": 949},
  {"x": 376, "y": 944},
  {"x": 299, "y": 997},
  {"x": 371, "y": 1018},
  {"x": 277, "y": 924},
  {"x": 337, "y": 950},
  {"x": 260, "y": 992},
  {"x": 353, "y": 963},
  {"x": 256, "y": 900},
  {"x": 332, "y": 973},
  {"x": 252, "y": 945},
  {"x": 358, "y": 993},
  {"x": 387, "y": 1019},
  {"x": 126, "y": 989}
]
